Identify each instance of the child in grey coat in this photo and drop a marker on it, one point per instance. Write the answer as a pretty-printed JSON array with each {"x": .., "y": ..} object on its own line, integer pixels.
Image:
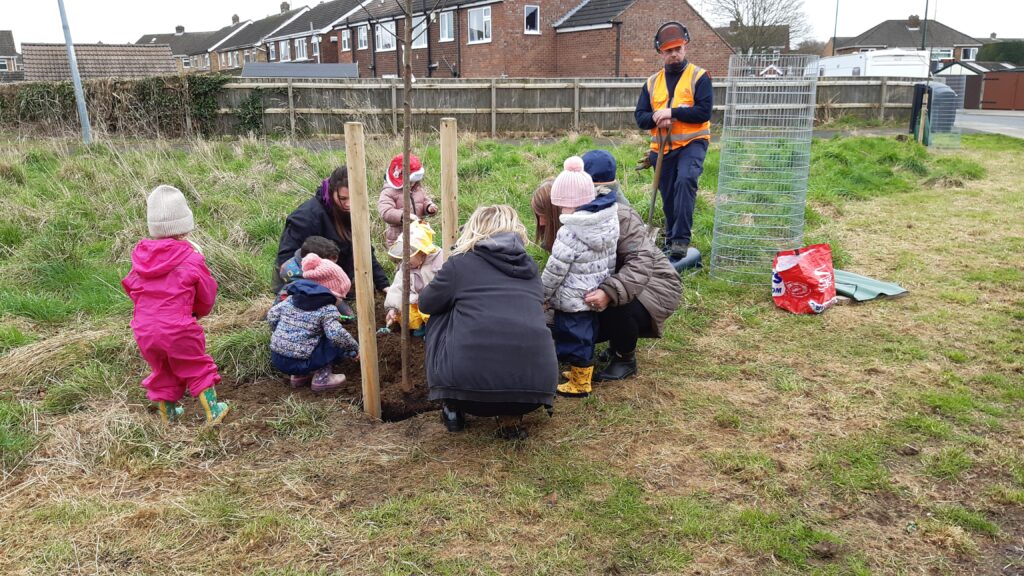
[{"x": 582, "y": 256}]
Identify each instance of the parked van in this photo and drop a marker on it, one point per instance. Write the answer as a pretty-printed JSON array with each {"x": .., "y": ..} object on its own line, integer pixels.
[{"x": 894, "y": 62}]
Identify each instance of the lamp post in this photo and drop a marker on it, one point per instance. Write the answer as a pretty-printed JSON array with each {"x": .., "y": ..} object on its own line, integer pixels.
[
  {"x": 924, "y": 37},
  {"x": 83, "y": 114},
  {"x": 835, "y": 29}
]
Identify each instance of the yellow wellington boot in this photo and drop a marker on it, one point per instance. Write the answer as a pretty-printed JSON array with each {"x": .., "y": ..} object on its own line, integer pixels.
[{"x": 578, "y": 385}]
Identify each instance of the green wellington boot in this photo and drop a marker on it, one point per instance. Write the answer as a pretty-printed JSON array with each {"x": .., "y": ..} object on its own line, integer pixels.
[
  {"x": 215, "y": 411},
  {"x": 169, "y": 411}
]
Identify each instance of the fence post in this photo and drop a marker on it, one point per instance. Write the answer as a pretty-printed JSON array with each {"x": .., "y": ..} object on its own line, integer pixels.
[
  {"x": 394, "y": 108},
  {"x": 883, "y": 97},
  {"x": 494, "y": 108},
  {"x": 576, "y": 105},
  {"x": 291, "y": 112},
  {"x": 355, "y": 157},
  {"x": 449, "y": 184}
]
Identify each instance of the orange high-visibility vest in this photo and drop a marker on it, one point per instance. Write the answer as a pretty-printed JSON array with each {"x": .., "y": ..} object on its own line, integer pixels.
[{"x": 682, "y": 133}]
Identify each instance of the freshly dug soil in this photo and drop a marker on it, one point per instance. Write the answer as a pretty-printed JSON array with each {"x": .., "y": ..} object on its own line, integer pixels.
[{"x": 395, "y": 404}]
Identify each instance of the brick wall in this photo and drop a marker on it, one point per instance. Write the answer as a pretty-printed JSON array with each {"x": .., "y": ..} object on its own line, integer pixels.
[
  {"x": 588, "y": 53},
  {"x": 443, "y": 54},
  {"x": 513, "y": 53},
  {"x": 641, "y": 21}
]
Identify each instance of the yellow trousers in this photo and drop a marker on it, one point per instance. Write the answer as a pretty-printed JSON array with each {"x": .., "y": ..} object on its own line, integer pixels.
[{"x": 416, "y": 318}]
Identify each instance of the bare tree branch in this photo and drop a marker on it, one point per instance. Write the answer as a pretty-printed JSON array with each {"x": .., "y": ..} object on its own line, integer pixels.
[{"x": 761, "y": 25}]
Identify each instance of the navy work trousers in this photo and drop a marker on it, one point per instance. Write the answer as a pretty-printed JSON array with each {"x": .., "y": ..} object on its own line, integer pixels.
[{"x": 680, "y": 171}]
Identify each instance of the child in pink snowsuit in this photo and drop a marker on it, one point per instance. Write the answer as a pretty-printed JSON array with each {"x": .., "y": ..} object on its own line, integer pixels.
[{"x": 172, "y": 288}]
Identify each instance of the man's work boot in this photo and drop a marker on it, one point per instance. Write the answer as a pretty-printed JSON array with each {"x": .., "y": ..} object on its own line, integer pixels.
[
  {"x": 620, "y": 368},
  {"x": 677, "y": 250}
]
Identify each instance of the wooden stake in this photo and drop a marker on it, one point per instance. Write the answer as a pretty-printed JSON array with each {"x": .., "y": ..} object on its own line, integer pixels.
[
  {"x": 449, "y": 184},
  {"x": 922, "y": 121},
  {"x": 355, "y": 155}
]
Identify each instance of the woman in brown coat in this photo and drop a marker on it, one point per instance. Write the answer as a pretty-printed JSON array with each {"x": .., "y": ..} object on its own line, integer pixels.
[{"x": 633, "y": 302}]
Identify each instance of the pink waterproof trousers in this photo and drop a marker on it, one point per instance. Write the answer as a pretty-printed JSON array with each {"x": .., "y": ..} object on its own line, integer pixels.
[{"x": 172, "y": 287}]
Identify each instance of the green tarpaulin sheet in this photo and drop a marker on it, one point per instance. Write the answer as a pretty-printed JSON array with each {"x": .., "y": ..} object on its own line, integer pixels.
[{"x": 862, "y": 288}]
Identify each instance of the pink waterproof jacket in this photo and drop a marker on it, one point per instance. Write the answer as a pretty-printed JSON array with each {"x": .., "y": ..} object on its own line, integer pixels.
[
  {"x": 169, "y": 282},
  {"x": 390, "y": 208}
]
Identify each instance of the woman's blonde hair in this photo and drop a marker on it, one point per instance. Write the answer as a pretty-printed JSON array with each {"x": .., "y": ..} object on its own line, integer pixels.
[{"x": 487, "y": 221}]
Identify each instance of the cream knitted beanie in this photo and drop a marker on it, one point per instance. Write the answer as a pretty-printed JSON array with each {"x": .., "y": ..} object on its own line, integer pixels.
[{"x": 167, "y": 212}]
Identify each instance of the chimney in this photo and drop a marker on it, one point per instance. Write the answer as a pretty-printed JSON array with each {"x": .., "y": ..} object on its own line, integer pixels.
[
  {"x": 914, "y": 22},
  {"x": 992, "y": 36},
  {"x": 234, "y": 19},
  {"x": 179, "y": 30},
  {"x": 733, "y": 25},
  {"x": 285, "y": 7}
]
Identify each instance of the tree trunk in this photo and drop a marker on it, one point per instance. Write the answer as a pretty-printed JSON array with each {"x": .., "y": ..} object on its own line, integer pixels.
[{"x": 406, "y": 191}]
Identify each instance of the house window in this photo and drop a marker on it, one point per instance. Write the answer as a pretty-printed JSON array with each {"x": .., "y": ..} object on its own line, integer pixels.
[
  {"x": 479, "y": 25},
  {"x": 285, "y": 48},
  {"x": 384, "y": 36},
  {"x": 223, "y": 60},
  {"x": 942, "y": 53},
  {"x": 316, "y": 49},
  {"x": 273, "y": 51},
  {"x": 447, "y": 26},
  {"x": 346, "y": 40},
  {"x": 3, "y": 65},
  {"x": 531, "y": 20},
  {"x": 419, "y": 32},
  {"x": 300, "y": 49},
  {"x": 186, "y": 62},
  {"x": 969, "y": 53},
  {"x": 361, "y": 37}
]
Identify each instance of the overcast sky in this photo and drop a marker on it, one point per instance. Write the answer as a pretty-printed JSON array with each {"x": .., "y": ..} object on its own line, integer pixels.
[{"x": 119, "y": 21}]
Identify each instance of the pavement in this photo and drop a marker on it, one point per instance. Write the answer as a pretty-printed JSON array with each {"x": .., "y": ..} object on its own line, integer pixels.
[{"x": 1006, "y": 122}]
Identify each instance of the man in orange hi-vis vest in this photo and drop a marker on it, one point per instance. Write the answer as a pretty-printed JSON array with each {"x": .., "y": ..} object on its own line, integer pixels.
[{"x": 675, "y": 106}]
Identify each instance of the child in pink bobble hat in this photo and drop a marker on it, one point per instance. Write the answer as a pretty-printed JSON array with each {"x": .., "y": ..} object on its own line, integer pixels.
[
  {"x": 582, "y": 256},
  {"x": 307, "y": 333}
]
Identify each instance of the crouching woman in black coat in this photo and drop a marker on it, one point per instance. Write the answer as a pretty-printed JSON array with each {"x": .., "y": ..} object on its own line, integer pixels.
[{"x": 489, "y": 351}]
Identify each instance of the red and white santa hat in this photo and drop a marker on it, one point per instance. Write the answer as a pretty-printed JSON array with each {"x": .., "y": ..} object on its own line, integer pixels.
[{"x": 393, "y": 176}]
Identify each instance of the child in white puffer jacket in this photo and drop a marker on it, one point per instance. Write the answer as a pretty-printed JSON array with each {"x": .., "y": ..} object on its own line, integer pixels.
[{"x": 582, "y": 256}]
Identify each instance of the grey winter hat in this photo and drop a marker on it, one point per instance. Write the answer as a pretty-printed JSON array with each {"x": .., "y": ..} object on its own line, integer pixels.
[{"x": 167, "y": 212}]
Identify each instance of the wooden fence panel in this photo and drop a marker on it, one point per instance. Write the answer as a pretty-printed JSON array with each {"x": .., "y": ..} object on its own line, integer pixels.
[{"x": 505, "y": 106}]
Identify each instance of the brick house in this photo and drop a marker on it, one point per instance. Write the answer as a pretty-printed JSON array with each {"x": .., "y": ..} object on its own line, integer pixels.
[
  {"x": 248, "y": 44},
  {"x": 8, "y": 52},
  {"x": 191, "y": 50},
  {"x": 308, "y": 38},
  {"x": 524, "y": 38},
  {"x": 945, "y": 43}
]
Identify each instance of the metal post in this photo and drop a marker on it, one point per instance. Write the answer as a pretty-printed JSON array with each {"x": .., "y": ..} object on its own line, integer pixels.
[
  {"x": 83, "y": 114},
  {"x": 835, "y": 29}
]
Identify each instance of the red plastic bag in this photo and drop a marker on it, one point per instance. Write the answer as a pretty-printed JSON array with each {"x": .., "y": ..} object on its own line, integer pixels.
[{"x": 803, "y": 280}]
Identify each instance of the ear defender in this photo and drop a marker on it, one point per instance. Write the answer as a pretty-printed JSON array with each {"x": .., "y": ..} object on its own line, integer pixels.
[{"x": 670, "y": 35}]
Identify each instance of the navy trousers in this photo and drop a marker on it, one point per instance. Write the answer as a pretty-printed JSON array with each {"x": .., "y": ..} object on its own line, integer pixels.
[
  {"x": 325, "y": 353},
  {"x": 680, "y": 171},
  {"x": 575, "y": 334}
]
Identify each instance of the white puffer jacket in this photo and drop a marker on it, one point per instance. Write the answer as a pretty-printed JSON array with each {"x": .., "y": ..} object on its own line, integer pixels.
[{"x": 583, "y": 255}]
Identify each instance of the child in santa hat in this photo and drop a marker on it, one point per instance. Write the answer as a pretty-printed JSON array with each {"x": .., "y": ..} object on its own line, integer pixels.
[{"x": 391, "y": 203}]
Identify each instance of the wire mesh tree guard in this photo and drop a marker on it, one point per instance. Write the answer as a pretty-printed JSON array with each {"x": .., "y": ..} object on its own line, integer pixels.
[
  {"x": 764, "y": 162},
  {"x": 945, "y": 132}
]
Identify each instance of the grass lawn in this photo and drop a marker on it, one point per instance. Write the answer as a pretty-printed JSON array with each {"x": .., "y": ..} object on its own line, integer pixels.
[{"x": 883, "y": 438}]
